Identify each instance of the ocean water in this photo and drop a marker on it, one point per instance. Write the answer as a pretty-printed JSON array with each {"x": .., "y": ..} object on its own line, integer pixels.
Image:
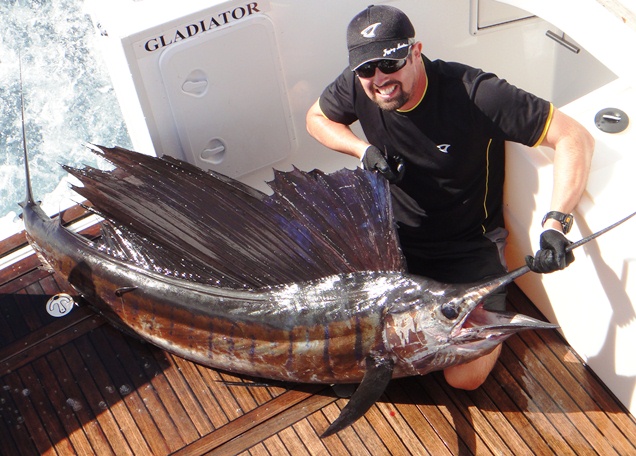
[{"x": 69, "y": 101}]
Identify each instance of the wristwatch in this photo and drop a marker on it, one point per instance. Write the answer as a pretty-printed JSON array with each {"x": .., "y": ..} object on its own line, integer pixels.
[{"x": 566, "y": 220}]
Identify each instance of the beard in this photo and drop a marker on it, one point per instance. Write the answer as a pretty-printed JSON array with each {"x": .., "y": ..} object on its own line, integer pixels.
[{"x": 395, "y": 103}]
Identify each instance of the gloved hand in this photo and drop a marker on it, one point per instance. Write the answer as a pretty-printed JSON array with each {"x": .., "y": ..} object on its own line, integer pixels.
[
  {"x": 373, "y": 160},
  {"x": 552, "y": 256}
]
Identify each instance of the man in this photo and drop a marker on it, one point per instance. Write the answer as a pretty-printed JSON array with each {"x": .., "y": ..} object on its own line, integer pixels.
[{"x": 436, "y": 131}]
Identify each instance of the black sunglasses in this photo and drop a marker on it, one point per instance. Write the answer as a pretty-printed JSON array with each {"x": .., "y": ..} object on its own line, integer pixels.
[{"x": 367, "y": 70}]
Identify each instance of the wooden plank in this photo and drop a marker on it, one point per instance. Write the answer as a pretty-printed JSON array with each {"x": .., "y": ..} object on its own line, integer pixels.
[
  {"x": 113, "y": 393},
  {"x": 19, "y": 326},
  {"x": 38, "y": 413},
  {"x": 256, "y": 391},
  {"x": 485, "y": 437},
  {"x": 505, "y": 437},
  {"x": 444, "y": 397},
  {"x": 293, "y": 444},
  {"x": 13, "y": 277},
  {"x": 417, "y": 416},
  {"x": 131, "y": 391},
  {"x": 498, "y": 387},
  {"x": 201, "y": 395},
  {"x": 40, "y": 342},
  {"x": 8, "y": 287},
  {"x": 590, "y": 394},
  {"x": 444, "y": 417},
  {"x": 319, "y": 422},
  {"x": 367, "y": 431},
  {"x": 8, "y": 308},
  {"x": 50, "y": 286},
  {"x": 13, "y": 242},
  {"x": 437, "y": 425},
  {"x": 540, "y": 407},
  {"x": 105, "y": 422},
  {"x": 66, "y": 382},
  {"x": 275, "y": 446},
  {"x": 581, "y": 431},
  {"x": 241, "y": 393},
  {"x": 308, "y": 435},
  {"x": 539, "y": 424},
  {"x": 258, "y": 450},
  {"x": 239, "y": 427},
  {"x": 14, "y": 433},
  {"x": 169, "y": 417},
  {"x": 34, "y": 306},
  {"x": 574, "y": 396},
  {"x": 222, "y": 393},
  {"x": 387, "y": 429},
  {"x": 169, "y": 382},
  {"x": 66, "y": 407},
  {"x": 9, "y": 446}
]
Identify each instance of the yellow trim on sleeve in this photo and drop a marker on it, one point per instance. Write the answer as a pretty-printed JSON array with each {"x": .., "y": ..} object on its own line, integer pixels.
[
  {"x": 320, "y": 109},
  {"x": 546, "y": 127}
]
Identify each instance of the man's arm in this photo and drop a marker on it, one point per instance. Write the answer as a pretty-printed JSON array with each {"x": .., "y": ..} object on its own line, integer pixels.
[
  {"x": 332, "y": 134},
  {"x": 573, "y": 148}
]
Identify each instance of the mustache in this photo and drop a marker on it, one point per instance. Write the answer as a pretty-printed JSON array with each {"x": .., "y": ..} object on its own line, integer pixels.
[{"x": 389, "y": 83}]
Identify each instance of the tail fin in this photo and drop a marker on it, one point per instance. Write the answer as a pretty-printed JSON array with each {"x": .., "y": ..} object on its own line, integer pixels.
[{"x": 29, "y": 192}]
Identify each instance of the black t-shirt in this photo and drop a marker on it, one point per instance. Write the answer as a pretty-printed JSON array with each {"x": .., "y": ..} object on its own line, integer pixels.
[{"x": 452, "y": 144}]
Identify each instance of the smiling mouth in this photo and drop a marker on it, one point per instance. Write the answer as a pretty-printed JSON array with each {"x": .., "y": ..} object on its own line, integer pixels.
[{"x": 387, "y": 90}]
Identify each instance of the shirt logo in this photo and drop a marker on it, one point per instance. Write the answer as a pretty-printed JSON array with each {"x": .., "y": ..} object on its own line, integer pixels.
[
  {"x": 444, "y": 148},
  {"x": 369, "y": 32}
]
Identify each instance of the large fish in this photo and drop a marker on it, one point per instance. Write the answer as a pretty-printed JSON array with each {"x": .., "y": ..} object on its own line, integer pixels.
[{"x": 305, "y": 285}]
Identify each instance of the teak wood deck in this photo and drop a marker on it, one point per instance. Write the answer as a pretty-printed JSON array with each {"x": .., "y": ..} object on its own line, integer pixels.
[{"x": 75, "y": 385}]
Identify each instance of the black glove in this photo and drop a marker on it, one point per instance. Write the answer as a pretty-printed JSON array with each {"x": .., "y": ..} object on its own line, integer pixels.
[
  {"x": 552, "y": 256},
  {"x": 373, "y": 160}
]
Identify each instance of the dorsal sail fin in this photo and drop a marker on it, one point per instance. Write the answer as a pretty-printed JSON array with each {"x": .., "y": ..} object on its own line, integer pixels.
[{"x": 313, "y": 225}]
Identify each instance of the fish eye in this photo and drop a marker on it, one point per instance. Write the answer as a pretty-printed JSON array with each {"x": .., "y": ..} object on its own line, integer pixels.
[{"x": 449, "y": 310}]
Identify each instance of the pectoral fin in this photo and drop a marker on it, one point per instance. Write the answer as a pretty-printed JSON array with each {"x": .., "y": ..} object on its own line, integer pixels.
[{"x": 377, "y": 377}]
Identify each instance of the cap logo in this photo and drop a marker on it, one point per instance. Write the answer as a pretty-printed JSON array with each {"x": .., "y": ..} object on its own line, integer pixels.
[
  {"x": 369, "y": 32},
  {"x": 393, "y": 50}
]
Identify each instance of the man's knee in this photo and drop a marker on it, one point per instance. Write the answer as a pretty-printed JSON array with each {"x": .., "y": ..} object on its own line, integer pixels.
[{"x": 472, "y": 375}]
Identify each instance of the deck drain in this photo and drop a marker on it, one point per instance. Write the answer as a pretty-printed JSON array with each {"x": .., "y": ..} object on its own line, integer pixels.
[{"x": 60, "y": 305}]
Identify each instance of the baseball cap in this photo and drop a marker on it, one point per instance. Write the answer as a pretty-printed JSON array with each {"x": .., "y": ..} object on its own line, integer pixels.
[{"x": 378, "y": 32}]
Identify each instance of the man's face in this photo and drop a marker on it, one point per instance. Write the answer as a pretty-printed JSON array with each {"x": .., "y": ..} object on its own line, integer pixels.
[{"x": 393, "y": 91}]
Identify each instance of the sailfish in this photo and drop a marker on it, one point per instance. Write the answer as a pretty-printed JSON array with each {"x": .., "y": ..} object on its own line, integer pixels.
[{"x": 306, "y": 284}]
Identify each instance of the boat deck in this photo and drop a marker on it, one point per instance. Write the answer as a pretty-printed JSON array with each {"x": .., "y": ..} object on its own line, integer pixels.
[{"x": 75, "y": 385}]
